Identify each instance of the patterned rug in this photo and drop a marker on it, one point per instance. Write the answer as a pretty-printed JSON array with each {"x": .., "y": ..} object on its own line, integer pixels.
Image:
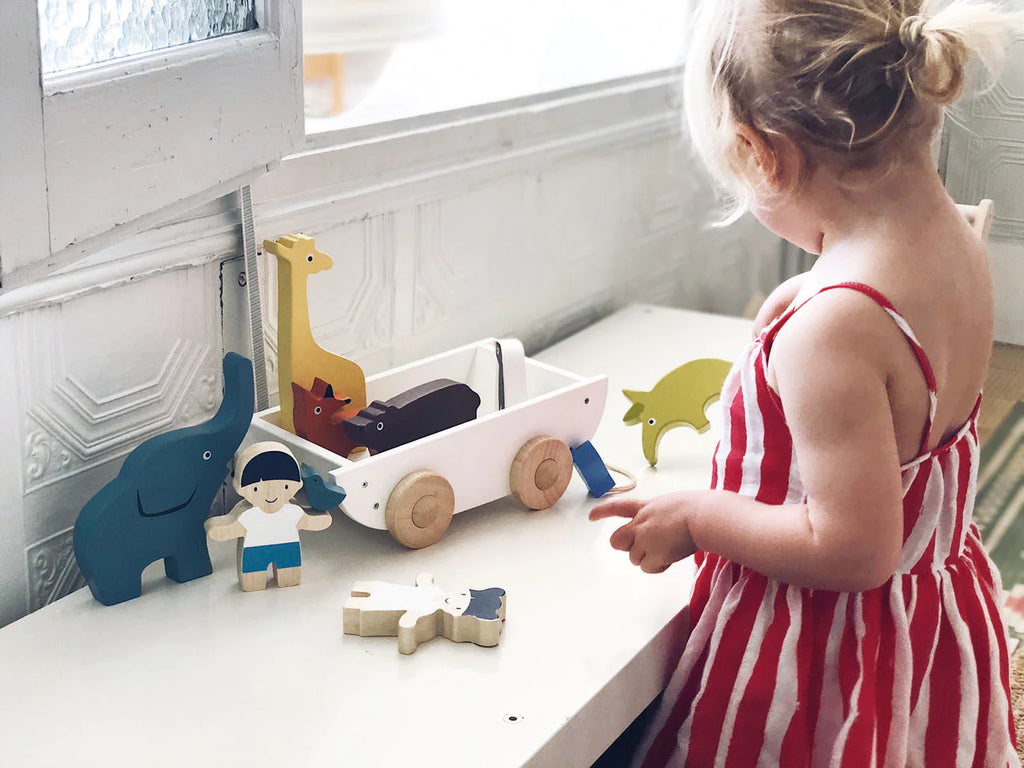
[{"x": 998, "y": 510}]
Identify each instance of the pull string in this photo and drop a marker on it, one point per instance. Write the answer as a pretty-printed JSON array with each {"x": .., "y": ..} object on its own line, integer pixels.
[{"x": 624, "y": 487}]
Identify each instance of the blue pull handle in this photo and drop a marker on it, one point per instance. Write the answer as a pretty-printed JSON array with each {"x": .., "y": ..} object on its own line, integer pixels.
[{"x": 592, "y": 469}]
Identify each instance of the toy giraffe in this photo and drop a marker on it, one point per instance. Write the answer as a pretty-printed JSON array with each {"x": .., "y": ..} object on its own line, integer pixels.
[{"x": 299, "y": 358}]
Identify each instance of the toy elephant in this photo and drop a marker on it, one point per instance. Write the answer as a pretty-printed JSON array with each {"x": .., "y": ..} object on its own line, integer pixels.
[{"x": 156, "y": 506}]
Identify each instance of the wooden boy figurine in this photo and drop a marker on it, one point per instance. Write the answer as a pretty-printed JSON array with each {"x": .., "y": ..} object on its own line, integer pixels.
[
  {"x": 266, "y": 477},
  {"x": 419, "y": 613}
]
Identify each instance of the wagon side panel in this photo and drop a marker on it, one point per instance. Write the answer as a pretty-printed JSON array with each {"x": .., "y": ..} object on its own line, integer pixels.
[{"x": 475, "y": 457}]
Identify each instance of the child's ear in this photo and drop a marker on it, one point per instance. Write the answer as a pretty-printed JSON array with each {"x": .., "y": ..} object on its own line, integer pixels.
[
  {"x": 789, "y": 164},
  {"x": 775, "y": 162},
  {"x": 757, "y": 159}
]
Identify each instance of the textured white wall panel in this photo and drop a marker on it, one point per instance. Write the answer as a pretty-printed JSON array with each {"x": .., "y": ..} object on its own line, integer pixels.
[
  {"x": 351, "y": 305},
  {"x": 1008, "y": 267},
  {"x": 13, "y": 574},
  {"x": 985, "y": 159},
  {"x": 99, "y": 374}
]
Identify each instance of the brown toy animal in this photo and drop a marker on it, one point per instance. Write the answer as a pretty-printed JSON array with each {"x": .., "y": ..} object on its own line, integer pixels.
[{"x": 318, "y": 415}]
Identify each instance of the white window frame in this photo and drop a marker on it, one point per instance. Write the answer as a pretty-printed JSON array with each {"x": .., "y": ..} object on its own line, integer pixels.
[{"x": 91, "y": 155}]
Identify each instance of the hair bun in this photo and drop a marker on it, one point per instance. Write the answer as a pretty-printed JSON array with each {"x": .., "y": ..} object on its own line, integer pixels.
[
  {"x": 912, "y": 32},
  {"x": 935, "y": 60}
]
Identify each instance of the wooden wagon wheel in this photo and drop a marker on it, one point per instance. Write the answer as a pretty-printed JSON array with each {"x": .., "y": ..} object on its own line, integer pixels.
[
  {"x": 420, "y": 509},
  {"x": 541, "y": 472}
]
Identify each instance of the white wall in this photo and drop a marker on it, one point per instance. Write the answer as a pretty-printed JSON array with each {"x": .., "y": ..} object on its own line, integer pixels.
[
  {"x": 534, "y": 222},
  {"x": 985, "y": 159}
]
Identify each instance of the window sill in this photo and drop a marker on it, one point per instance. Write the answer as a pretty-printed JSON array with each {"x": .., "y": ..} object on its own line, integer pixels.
[
  {"x": 361, "y": 167},
  {"x": 366, "y": 167},
  {"x": 333, "y": 134}
]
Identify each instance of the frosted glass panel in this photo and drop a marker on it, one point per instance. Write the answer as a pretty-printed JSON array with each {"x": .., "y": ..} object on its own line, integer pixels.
[{"x": 76, "y": 33}]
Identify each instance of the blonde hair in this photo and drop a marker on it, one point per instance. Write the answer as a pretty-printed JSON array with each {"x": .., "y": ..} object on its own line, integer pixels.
[{"x": 847, "y": 81}]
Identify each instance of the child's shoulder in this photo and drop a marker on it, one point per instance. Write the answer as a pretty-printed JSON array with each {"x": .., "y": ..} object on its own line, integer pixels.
[
  {"x": 835, "y": 318},
  {"x": 839, "y": 345}
]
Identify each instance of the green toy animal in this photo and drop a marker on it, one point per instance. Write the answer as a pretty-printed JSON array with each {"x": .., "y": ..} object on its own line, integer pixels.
[{"x": 680, "y": 397}]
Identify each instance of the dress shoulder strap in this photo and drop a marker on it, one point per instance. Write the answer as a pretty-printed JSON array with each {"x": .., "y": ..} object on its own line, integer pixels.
[{"x": 879, "y": 298}]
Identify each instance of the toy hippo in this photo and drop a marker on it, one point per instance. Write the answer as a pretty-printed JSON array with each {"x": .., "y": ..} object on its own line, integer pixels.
[{"x": 418, "y": 412}]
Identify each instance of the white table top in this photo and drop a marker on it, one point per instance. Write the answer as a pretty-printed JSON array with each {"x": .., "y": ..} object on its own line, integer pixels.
[{"x": 202, "y": 674}]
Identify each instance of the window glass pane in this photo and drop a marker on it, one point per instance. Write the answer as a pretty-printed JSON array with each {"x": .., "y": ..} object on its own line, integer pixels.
[
  {"x": 371, "y": 61},
  {"x": 76, "y": 33}
]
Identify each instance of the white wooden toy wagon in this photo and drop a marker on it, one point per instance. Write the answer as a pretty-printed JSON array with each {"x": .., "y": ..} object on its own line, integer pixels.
[{"x": 529, "y": 416}]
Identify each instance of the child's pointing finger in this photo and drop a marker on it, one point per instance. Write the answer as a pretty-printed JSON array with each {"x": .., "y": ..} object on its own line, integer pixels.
[{"x": 617, "y": 508}]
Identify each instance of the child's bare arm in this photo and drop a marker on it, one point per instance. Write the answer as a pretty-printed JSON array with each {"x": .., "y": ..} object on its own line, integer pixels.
[{"x": 831, "y": 370}]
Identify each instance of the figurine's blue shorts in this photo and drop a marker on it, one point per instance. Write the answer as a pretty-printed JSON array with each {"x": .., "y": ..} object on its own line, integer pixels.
[{"x": 256, "y": 559}]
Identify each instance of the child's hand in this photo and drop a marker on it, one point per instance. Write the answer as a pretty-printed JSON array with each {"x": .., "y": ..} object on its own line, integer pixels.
[{"x": 658, "y": 531}]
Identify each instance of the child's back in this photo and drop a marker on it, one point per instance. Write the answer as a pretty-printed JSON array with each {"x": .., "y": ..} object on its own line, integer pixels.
[{"x": 920, "y": 253}]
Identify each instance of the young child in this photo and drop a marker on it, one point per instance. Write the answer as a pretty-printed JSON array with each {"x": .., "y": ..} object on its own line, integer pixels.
[{"x": 844, "y": 611}]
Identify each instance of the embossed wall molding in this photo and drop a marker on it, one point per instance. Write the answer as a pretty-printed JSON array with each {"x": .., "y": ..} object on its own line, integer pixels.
[
  {"x": 986, "y": 147},
  {"x": 104, "y": 372},
  {"x": 351, "y": 305},
  {"x": 53, "y": 572},
  {"x": 999, "y": 103},
  {"x": 985, "y": 158},
  {"x": 1005, "y": 100},
  {"x": 523, "y": 252},
  {"x": 476, "y": 256},
  {"x": 13, "y": 574},
  {"x": 994, "y": 168},
  {"x": 1007, "y": 261}
]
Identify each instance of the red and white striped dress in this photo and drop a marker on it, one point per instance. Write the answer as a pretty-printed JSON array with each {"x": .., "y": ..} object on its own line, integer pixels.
[{"x": 913, "y": 673}]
